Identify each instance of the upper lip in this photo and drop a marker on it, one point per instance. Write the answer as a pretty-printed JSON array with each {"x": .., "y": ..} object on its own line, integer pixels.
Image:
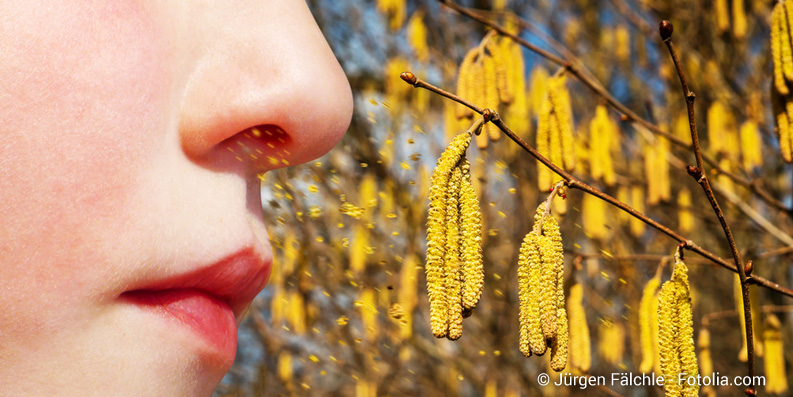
[{"x": 236, "y": 279}]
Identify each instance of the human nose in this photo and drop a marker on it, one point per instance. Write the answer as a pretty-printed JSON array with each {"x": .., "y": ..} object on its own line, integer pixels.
[{"x": 263, "y": 82}]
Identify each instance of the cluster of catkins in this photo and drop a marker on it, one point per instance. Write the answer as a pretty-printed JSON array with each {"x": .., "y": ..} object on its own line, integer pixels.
[
  {"x": 543, "y": 317},
  {"x": 455, "y": 273},
  {"x": 782, "y": 52},
  {"x": 486, "y": 77}
]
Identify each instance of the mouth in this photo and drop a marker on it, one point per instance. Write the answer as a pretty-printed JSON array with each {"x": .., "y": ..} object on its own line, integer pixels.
[{"x": 209, "y": 301}]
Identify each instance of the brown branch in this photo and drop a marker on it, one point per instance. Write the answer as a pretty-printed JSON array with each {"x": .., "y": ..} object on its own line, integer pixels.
[
  {"x": 629, "y": 115},
  {"x": 576, "y": 183},
  {"x": 699, "y": 173},
  {"x": 706, "y": 319}
]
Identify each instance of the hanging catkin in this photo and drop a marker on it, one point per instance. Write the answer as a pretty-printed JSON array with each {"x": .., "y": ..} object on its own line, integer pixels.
[
  {"x": 580, "y": 344},
  {"x": 776, "y": 377},
  {"x": 471, "y": 229},
  {"x": 782, "y": 55},
  {"x": 705, "y": 360},
  {"x": 555, "y": 132},
  {"x": 676, "y": 334},
  {"x": 648, "y": 325},
  {"x": 604, "y": 137},
  {"x": 757, "y": 330}
]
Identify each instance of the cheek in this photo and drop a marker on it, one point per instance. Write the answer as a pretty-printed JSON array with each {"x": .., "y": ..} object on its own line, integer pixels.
[{"x": 85, "y": 112}]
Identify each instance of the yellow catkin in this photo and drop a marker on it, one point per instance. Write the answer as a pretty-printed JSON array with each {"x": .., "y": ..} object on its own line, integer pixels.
[
  {"x": 786, "y": 138},
  {"x": 491, "y": 97},
  {"x": 358, "y": 245},
  {"x": 743, "y": 354},
  {"x": 277, "y": 305},
  {"x": 594, "y": 212},
  {"x": 369, "y": 314},
  {"x": 538, "y": 83},
  {"x": 436, "y": 233},
  {"x": 407, "y": 294},
  {"x": 751, "y": 146},
  {"x": 518, "y": 112},
  {"x": 685, "y": 218},
  {"x": 452, "y": 258},
  {"x": 623, "y": 196},
  {"x": 544, "y": 174},
  {"x": 656, "y": 169},
  {"x": 786, "y": 12},
  {"x": 396, "y": 91},
  {"x": 682, "y": 129},
  {"x": 531, "y": 338},
  {"x": 637, "y": 202},
  {"x": 603, "y": 138},
  {"x": 705, "y": 359},
  {"x": 717, "y": 127},
  {"x": 295, "y": 312},
  {"x": 491, "y": 389},
  {"x": 471, "y": 228},
  {"x": 664, "y": 189},
  {"x": 417, "y": 36},
  {"x": 559, "y": 345},
  {"x": 560, "y": 101},
  {"x": 738, "y": 19},
  {"x": 776, "y": 377},
  {"x": 580, "y": 345},
  {"x": 623, "y": 45},
  {"x": 465, "y": 81},
  {"x": 675, "y": 334},
  {"x": 722, "y": 16},
  {"x": 555, "y": 144},
  {"x": 611, "y": 342},
  {"x": 285, "y": 367},
  {"x": 777, "y": 19},
  {"x": 502, "y": 63},
  {"x": 552, "y": 257},
  {"x": 648, "y": 326}
]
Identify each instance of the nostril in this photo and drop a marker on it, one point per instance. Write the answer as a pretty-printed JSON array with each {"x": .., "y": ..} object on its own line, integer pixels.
[{"x": 264, "y": 146}]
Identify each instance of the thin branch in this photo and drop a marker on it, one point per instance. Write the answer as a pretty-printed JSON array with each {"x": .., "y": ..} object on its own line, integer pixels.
[
  {"x": 701, "y": 177},
  {"x": 628, "y": 114},
  {"x": 706, "y": 319},
  {"x": 756, "y": 217},
  {"x": 576, "y": 183}
]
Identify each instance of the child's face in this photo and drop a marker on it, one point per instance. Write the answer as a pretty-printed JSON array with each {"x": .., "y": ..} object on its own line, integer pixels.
[{"x": 128, "y": 163}]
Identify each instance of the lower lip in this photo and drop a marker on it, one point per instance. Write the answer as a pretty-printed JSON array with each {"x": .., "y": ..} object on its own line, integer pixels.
[{"x": 208, "y": 316}]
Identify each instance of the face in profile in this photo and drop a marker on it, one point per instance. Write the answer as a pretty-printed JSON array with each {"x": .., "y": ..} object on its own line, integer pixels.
[{"x": 131, "y": 230}]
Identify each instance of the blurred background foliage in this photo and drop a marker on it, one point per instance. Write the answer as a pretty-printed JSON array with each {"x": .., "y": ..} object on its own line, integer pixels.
[{"x": 346, "y": 311}]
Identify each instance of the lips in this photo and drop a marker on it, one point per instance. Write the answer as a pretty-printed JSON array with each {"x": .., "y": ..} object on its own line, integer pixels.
[{"x": 210, "y": 300}]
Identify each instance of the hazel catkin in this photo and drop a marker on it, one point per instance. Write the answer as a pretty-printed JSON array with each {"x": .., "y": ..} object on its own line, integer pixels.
[
  {"x": 775, "y": 374},
  {"x": 452, "y": 258},
  {"x": 675, "y": 334},
  {"x": 648, "y": 325},
  {"x": 580, "y": 344},
  {"x": 436, "y": 233},
  {"x": 471, "y": 229}
]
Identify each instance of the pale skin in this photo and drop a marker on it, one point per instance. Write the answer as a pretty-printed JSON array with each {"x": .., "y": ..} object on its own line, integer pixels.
[{"x": 115, "y": 168}]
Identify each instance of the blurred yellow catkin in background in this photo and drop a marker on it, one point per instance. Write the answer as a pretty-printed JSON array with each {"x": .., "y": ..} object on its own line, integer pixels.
[{"x": 776, "y": 377}]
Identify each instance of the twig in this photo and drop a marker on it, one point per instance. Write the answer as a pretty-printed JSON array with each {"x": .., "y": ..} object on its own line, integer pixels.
[
  {"x": 700, "y": 175},
  {"x": 576, "y": 183},
  {"x": 756, "y": 217},
  {"x": 706, "y": 319},
  {"x": 630, "y": 116}
]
